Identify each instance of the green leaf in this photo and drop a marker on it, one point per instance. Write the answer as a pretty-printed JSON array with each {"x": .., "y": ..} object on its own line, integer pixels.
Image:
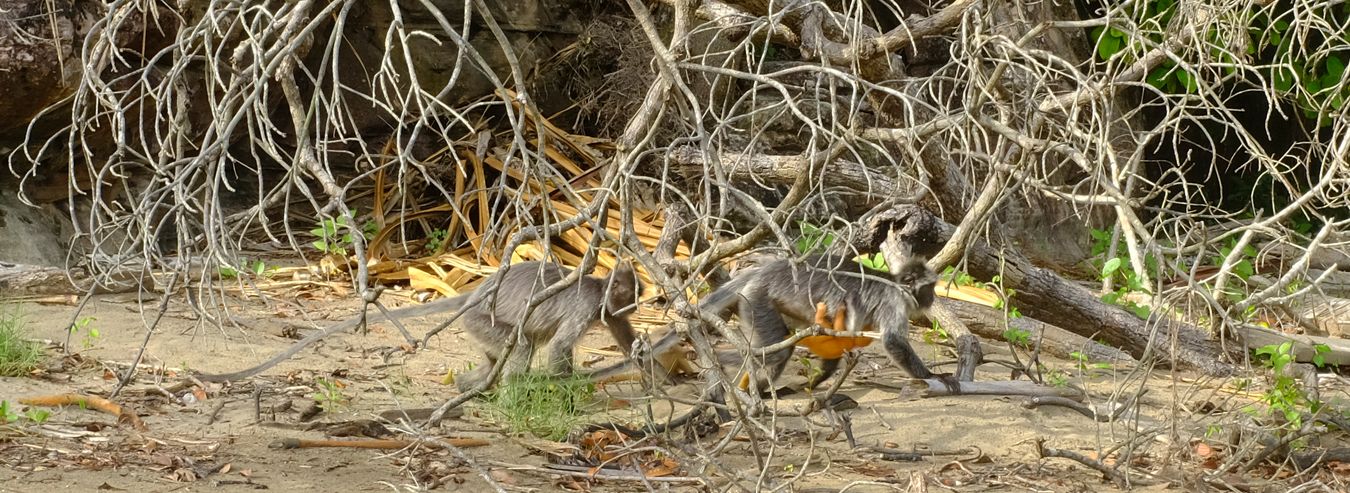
[
  {"x": 1335, "y": 67},
  {"x": 1107, "y": 46},
  {"x": 1244, "y": 269},
  {"x": 1111, "y": 267},
  {"x": 1187, "y": 80},
  {"x": 1312, "y": 85},
  {"x": 1319, "y": 355},
  {"x": 1157, "y": 78}
]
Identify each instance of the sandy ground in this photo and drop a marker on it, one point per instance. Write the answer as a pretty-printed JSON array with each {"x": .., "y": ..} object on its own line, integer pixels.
[{"x": 216, "y": 443}]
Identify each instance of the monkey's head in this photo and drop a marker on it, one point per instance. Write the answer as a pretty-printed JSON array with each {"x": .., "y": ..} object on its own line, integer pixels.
[
  {"x": 624, "y": 288},
  {"x": 919, "y": 280}
]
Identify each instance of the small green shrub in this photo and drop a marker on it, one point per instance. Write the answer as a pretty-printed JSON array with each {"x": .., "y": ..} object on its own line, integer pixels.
[
  {"x": 1285, "y": 396},
  {"x": 18, "y": 354},
  {"x": 813, "y": 239},
  {"x": 542, "y": 405},
  {"x": 330, "y": 396}
]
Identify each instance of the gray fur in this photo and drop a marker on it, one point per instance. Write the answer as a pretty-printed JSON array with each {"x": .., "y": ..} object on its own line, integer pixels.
[
  {"x": 556, "y": 322},
  {"x": 781, "y": 296}
]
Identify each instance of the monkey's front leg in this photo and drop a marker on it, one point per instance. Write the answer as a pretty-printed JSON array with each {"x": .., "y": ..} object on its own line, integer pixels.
[{"x": 898, "y": 348}]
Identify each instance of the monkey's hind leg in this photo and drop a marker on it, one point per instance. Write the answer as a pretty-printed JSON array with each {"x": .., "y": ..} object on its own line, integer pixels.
[
  {"x": 770, "y": 328},
  {"x": 563, "y": 344},
  {"x": 494, "y": 339}
]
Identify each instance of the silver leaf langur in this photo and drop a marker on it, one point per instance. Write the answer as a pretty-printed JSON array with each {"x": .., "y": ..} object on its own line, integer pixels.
[{"x": 492, "y": 313}]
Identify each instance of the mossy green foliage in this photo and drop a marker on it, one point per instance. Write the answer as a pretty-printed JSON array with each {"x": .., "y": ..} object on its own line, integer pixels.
[
  {"x": 540, "y": 404},
  {"x": 18, "y": 354},
  {"x": 1280, "y": 52}
]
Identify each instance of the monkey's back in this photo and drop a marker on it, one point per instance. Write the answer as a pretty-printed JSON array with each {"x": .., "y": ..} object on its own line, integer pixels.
[
  {"x": 837, "y": 281},
  {"x": 513, "y": 292}
]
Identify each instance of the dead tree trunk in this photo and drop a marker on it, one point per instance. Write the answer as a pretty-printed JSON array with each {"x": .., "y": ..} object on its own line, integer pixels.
[{"x": 1044, "y": 295}]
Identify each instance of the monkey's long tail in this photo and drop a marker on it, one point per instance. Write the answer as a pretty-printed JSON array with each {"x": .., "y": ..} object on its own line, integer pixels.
[
  {"x": 665, "y": 343},
  {"x": 717, "y": 302},
  {"x": 728, "y": 295},
  {"x": 447, "y": 304}
]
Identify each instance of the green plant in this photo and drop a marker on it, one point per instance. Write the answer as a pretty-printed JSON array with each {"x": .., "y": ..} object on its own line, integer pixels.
[
  {"x": 1310, "y": 78},
  {"x": 1119, "y": 270},
  {"x": 874, "y": 261},
  {"x": 960, "y": 277},
  {"x": 7, "y": 414},
  {"x": 935, "y": 334},
  {"x": 85, "y": 326},
  {"x": 1242, "y": 269},
  {"x": 812, "y": 239},
  {"x": 1150, "y": 23},
  {"x": 813, "y": 370},
  {"x": 37, "y": 415},
  {"x": 435, "y": 239},
  {"x": 1058, "y": 378},
  {"x": 1319, "y": 355},
  {"x": 1083, "y": 363},
  {"x": 330, "y": 396},
  {"x": 540, "y": 404},
  {"x": 18, "y": 354},
  {"x": 257, "y": 267},
  {"x": 1285, "y": 396},
  {"x": 335, "y": 236},
  {"x": 1018, "y": 337},
  {"x": 996, "y": 284}
]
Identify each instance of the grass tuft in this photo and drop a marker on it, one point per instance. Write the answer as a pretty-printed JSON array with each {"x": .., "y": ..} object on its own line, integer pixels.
[
  {"x": 18, "y": 354},
  {"x": 542, "y": 405}
]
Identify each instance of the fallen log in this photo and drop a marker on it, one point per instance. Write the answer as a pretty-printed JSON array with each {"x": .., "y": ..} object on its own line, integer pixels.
[
  {"x": 1044, "y": 295},
  {"x": 988, "y": 323},
  {"x": 1336, "y": 352}
]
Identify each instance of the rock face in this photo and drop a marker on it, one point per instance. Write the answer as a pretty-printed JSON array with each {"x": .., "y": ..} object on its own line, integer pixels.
[
  {"x": 31, "y": 235},
  {"x": 38, "y": 65}
]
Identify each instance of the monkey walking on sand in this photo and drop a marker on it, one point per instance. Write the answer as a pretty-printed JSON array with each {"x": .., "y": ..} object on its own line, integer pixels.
[
  {"x": 783, "y": 295},
  {"x": 774, "y": 299},
  {"x": 493, "y": 312}
]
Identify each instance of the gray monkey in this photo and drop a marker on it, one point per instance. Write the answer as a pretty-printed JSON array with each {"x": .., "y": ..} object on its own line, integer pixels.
[
  {"x": 556, "y": 322},
  {"x": 773, "y": 297},
  {"x": 492, "y": 312},
  {"x": 779, "y": 295}
]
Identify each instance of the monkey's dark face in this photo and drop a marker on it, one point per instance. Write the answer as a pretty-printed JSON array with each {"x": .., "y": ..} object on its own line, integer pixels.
[
  {"x": 924, "y": 295},
  {"x": 921, "y": 282},
  {"x": 624, "y": 287}
]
